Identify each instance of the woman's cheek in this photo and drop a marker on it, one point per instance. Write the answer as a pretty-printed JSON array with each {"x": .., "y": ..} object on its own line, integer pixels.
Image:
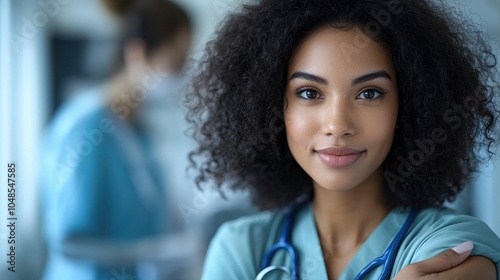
[
  {"x": 382, "y": 132},
  {"x": 299, "y": 123}
]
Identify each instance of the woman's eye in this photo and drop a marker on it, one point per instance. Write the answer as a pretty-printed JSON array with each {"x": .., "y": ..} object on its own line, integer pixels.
[
  {"x": 370, "y": 94},
  {"x": 308, "y": 94}
]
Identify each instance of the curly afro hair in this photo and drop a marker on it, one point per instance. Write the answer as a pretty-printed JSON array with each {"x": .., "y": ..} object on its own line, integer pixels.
[{"x": 446, "y": 82}]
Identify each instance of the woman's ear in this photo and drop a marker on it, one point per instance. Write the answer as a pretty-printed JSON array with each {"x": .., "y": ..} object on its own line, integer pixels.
[{"x": 135, "y": 63}]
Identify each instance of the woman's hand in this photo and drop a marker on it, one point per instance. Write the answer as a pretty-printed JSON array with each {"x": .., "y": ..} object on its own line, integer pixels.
[{"x": 451, "y": 264}]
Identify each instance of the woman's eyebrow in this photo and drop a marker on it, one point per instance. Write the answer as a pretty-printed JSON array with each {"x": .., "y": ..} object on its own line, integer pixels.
[
  {"x": 371, "y": 76},
  {"x": 310, "y": 77},
  {"x": 359, "y": 80}
]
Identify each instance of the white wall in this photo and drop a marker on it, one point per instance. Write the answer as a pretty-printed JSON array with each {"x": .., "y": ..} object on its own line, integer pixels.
[{"x": 24, "y": 107}]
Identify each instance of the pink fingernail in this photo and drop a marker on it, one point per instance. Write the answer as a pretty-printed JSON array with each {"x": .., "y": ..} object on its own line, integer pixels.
[{"x": 464, "y": 247}]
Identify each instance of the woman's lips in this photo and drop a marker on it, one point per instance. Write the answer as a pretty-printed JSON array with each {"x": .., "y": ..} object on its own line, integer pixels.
[{"x": 339, "y": 157}]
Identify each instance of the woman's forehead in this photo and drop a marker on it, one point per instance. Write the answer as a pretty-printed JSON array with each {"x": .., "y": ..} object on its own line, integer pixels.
[{"x": 330, "y": 51}]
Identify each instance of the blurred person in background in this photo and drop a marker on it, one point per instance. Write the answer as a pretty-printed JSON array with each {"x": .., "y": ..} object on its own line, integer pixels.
[{"x": 104, "y": 201}]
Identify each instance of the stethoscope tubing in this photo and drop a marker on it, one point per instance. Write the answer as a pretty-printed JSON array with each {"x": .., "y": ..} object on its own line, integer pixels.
[
  {"x": 389, "y": 256},
  {"x": 285, "y": 242},
  {"x": 387, "y": 259}
]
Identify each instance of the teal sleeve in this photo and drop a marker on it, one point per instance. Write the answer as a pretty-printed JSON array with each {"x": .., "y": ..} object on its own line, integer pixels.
[
  {"x": 78, "y": 192},
  {"x": 451, "y": 230},
  {"x": 230, "y": 254}
]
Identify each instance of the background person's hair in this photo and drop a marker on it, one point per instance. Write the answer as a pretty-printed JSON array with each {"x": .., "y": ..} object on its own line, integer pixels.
[
  {"x": 445, "y": 74},
  {"x": 155, "y": 22}
]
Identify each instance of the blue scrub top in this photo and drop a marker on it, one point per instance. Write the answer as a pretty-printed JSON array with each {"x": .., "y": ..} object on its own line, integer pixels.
[
  {"x": 88, "y": 189},
  {"x": 237, "y": 249}
]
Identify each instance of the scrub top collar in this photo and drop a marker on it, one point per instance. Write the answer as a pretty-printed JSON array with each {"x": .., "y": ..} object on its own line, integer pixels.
[{"x": 312, "y": 265}]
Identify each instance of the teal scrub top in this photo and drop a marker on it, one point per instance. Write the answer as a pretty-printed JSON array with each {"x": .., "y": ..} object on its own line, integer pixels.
[
  {"x": 238, "y": 247},
  {"x": 88, "y": 189}
]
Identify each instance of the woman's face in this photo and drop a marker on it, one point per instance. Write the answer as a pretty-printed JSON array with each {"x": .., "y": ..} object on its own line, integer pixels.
[{"x": 341, "y": 106}]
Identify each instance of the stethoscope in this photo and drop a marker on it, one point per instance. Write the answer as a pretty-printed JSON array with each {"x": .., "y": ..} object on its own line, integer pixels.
[{"x": 386, "y": 259}]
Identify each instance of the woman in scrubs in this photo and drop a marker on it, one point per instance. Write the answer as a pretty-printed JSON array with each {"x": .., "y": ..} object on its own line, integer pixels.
[
  {"x": 104, "y": 203},
  {"x": 366, "y": 109}
]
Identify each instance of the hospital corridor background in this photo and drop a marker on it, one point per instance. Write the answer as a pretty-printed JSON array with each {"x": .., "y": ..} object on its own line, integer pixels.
[{"x": 57, "y": 58}]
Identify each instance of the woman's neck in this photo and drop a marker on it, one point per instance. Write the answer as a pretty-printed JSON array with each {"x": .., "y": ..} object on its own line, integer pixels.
[{"x": 345, "y": 219}]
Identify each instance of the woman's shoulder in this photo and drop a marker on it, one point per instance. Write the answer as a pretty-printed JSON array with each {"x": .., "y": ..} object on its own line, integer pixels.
[
  {"x": 252, "y": 226},
  {"x": 447, "y": 224},
  {"x": 445, "y": 217},
  {"x": 435, "y": 218},
  {"x": 439, "y": 229},
  {"x": 236, "y": 250},
  {"x": 436, "y": 230}
]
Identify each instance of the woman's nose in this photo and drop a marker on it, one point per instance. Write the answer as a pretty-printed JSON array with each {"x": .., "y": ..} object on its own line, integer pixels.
[{"x": 337, "y": 119}]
